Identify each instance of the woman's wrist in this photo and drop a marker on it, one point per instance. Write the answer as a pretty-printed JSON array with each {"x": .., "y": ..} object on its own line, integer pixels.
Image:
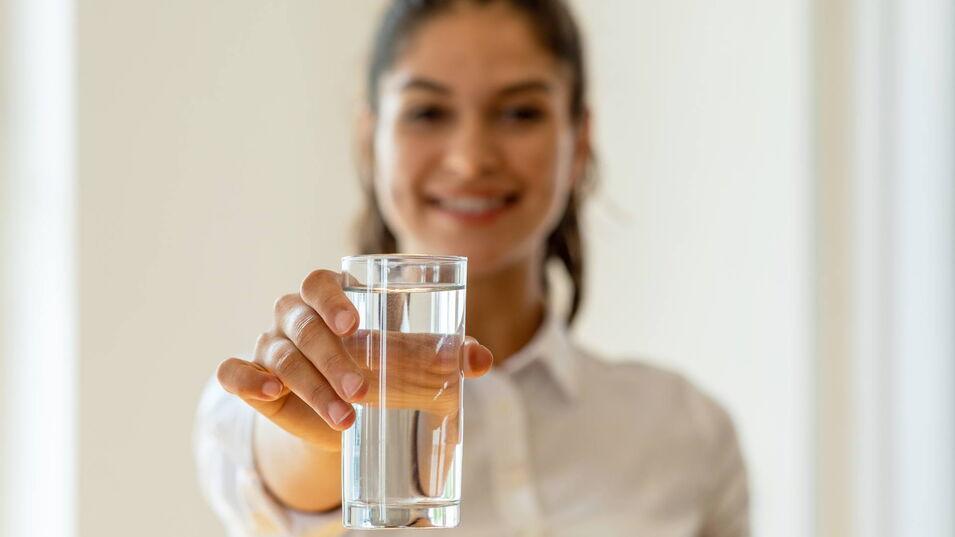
[{"x": 298, "y": 475}]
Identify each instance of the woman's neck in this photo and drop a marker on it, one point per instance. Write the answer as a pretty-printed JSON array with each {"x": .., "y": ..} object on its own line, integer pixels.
[{"x": 505, "y": 308}]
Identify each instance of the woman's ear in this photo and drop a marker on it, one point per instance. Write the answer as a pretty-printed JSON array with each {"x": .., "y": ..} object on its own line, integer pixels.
[{"x": 582, "y": 149}]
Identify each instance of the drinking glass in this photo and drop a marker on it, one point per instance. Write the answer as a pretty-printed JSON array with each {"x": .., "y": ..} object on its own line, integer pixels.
[{"x": 401, "y": 460}]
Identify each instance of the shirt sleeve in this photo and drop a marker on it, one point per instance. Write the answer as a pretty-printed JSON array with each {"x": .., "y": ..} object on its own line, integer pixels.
[
  {"x": 222, "y": 441},
  {"x": 727, "y": 513}
]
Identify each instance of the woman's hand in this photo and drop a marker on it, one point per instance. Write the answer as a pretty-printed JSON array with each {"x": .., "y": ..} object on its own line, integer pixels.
[{"x": 302, "y": 376}]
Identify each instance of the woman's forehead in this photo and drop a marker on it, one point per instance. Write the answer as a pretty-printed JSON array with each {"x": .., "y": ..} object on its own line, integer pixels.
[{"x": 490, "y": 47}]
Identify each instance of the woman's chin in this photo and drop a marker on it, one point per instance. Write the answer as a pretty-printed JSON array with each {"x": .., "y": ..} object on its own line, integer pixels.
[
  {"x": 484, "y": 261},
  {"x": 481, "y": 259}
]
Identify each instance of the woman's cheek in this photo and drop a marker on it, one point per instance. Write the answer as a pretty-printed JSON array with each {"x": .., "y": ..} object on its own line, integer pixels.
[
  {"x": 549, "y": 201},
  {"x": 536, "y": 161},
  {"x": 400, "y": 171},
  {"x": 533, "y": 154}
]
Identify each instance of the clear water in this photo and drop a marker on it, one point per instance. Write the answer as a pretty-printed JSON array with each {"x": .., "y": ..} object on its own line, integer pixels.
[{"x": 404, "y": 450}]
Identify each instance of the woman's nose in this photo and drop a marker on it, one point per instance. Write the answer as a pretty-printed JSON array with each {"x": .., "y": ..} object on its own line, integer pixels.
[{"x": 471, "y": 151}]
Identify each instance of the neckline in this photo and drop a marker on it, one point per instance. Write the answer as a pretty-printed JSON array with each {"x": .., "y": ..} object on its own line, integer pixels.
[{"x": 551, "y": 346}]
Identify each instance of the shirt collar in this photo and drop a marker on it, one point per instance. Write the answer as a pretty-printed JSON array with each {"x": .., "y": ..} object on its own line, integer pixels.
[{"x": 552, "y": 347}]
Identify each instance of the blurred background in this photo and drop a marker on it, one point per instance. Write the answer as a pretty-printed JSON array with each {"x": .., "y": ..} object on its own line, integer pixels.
[{"x": 775, "y": 220}]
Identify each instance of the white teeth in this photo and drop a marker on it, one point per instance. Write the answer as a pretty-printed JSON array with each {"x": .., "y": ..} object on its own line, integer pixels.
[{"x": 473, "y": 205}]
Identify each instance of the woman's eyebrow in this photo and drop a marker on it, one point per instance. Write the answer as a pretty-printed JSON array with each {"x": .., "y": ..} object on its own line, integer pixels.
[
  {"x": 526, "y": 85},
  {"x": 425, "y": 84}
]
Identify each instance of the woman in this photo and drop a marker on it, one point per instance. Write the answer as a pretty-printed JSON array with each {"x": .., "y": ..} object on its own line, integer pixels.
[{"x": 477, "y": 143}]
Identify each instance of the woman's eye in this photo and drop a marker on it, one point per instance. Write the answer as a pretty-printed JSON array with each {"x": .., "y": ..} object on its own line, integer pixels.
[
  {"x": 522, "y": 114},
  {"x": 426, "y": 114}
]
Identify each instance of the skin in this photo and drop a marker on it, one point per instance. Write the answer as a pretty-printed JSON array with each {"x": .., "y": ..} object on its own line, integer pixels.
[{"x": 472, "y": 105}]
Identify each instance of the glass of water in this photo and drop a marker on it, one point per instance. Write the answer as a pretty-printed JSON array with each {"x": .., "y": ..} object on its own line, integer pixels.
[{"x": 401, "y": 460}]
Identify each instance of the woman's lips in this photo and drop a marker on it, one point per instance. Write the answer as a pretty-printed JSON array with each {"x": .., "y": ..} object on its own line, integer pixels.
[{"x": 473, "y": 209}]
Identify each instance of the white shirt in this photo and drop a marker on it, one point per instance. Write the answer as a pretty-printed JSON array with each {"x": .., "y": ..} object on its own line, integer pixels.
[{"x": 556, "y": 443}]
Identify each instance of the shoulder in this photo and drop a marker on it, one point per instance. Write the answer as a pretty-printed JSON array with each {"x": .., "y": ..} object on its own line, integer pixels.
[{"x": 655, "y": 397}]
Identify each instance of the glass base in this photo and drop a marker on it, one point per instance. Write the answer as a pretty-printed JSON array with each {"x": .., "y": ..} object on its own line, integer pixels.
[{"x": 357, "y": 515}]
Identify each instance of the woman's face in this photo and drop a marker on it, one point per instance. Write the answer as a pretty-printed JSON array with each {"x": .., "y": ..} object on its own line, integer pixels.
[{"x": 475, "y": 150}]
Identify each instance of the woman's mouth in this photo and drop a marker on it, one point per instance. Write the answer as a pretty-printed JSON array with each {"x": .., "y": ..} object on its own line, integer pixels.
[{"x": 473, "y": 209}]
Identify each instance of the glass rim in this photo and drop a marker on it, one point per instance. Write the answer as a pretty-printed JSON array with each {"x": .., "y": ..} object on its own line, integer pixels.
[{"x": 407, "y": 259}]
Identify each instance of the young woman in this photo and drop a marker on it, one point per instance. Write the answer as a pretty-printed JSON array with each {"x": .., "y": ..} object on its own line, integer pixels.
[{"x": 477, "y": 138}]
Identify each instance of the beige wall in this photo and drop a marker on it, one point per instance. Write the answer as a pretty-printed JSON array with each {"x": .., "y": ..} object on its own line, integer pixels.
[
  {"x": 215, "y": 171},
  {"x": 703, "y": 136},
  {"x": 702, "y": 130}
]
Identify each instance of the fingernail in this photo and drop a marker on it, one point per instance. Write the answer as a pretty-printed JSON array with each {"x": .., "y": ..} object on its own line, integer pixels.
[
  {"x": 343, "y": 321},
  {"x": 339, "y": 411},
  {"x": 271, "y": 388},
  {"x": 351, "y": 383}
]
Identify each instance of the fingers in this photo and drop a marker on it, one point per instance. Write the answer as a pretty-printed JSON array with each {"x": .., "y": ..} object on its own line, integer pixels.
[
  {"x": 422, "y": 371},
  {"x": 301, "y": 325},
  {"x": 248, "y": 381},
  {"x": 322, "y": 290},
  {"x": 291, "y": 392},
  {"x": 299, "y": 419},
  {"x": 298, "y": 374},
  {"x": 421, "y": 356},
  {"x": 287, "y": 410},
  {"x": 477, "y": 358},
  {"x": 304, "y": 378}
]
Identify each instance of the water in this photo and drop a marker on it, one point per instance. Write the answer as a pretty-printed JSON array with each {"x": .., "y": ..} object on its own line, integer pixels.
[{"x": 402, "y": 457}]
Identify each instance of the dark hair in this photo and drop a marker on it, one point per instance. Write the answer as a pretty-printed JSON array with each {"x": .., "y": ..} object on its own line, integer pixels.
[{"x": 557, "y": 31}]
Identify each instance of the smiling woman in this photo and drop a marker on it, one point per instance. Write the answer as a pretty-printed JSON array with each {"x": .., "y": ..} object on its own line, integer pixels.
[
  {"x": 498, "y": 108},
  {"x": 476, "y": 143}
]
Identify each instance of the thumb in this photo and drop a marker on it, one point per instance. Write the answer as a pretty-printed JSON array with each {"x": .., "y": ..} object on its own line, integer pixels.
[{"x": 477, "y": 358}]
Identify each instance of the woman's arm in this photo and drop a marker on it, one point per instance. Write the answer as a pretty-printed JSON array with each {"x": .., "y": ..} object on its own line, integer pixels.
[
  {"x": 302, "y": 476},
  {"x": 235, "y": 489}
]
